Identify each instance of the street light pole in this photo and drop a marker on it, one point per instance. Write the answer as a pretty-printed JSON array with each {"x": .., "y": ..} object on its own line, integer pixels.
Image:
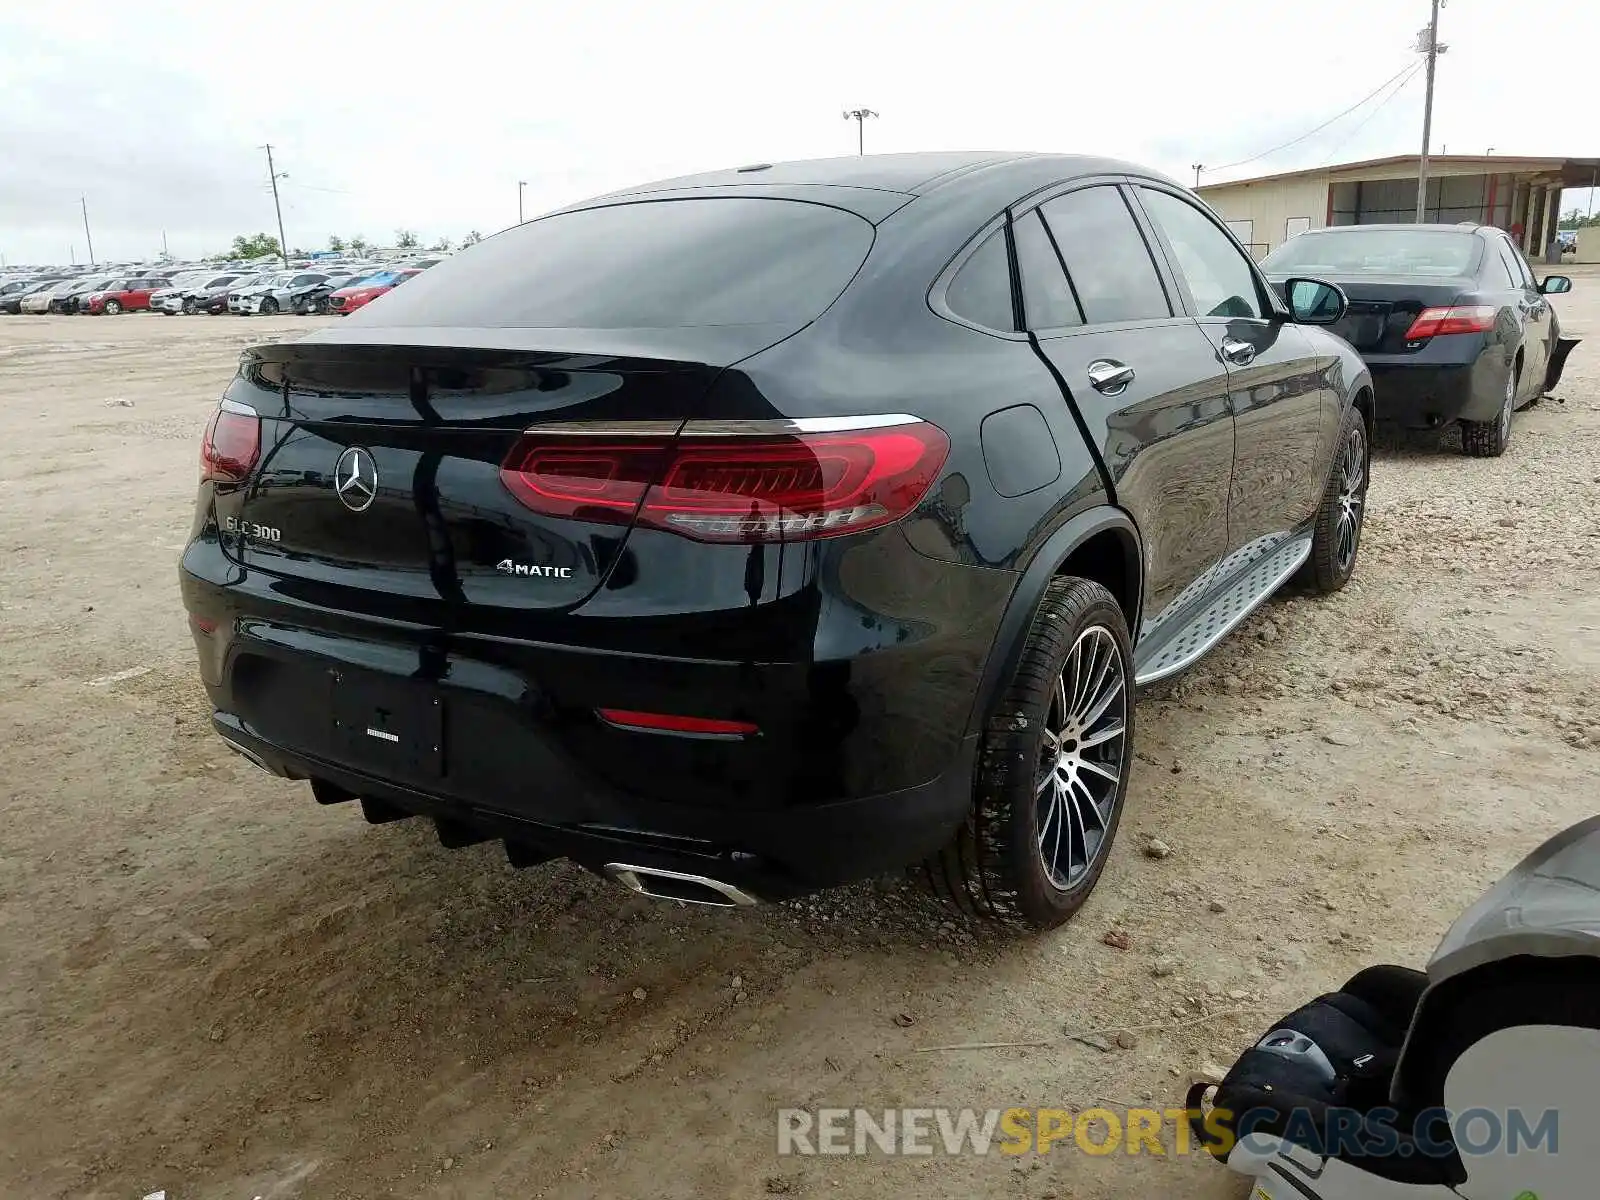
[
  {"x": 859, "y": 116},
  {"x": 1433, "y": 50},
  {"x": 283, "y": 242},
  {"x": 83, "y": 203},
  {"x": 521, "y": 183},
  {"x": 1198, "y": 167}
]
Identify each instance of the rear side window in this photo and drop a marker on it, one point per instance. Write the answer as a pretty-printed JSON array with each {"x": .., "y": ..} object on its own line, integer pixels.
[
  {"x": 981, "y": 290},
  {"x": 1105, "y": 255},
  {"x": 1501, "y": 272},
  {"x": 1046, "y": 296},
  {"x": 1519, "y": 266},
  {"x": 652, "y": 265}
]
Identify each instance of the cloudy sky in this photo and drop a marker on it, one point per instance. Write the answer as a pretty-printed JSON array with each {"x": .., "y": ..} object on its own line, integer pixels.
[{"x": 424, "y": 116}]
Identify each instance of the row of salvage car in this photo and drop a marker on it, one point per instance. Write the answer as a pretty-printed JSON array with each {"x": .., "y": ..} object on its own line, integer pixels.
[{"x": 336, "y": 289}]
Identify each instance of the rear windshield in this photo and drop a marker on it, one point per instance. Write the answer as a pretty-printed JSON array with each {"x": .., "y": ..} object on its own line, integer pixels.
[
  {"x": 654, "y": 265},
  {"x": 1378, "y": 252}
]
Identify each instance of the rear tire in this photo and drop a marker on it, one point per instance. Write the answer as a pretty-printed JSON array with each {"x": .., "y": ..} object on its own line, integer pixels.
[
  {"x": 1336, "y": 537},
  {"x": 1052, "y": 770},
  {"x": 1489, "y": 439}
]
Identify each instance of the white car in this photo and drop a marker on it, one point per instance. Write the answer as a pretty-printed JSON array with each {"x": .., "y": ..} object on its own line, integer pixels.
[
  {"x": 42, "y": 302},
  {"x": 273, "y": 294},
  {"x": 184, "y": 294}
]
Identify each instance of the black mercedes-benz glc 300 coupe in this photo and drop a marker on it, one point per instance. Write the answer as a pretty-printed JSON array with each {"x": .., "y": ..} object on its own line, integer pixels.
[{"x": 758, "y": 531}]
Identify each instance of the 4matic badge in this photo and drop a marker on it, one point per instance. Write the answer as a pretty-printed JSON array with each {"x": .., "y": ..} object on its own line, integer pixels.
[{"x": 506, "y": 567}]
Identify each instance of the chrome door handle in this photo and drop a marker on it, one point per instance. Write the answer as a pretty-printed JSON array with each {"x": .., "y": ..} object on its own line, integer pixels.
[
  {"x": 1237, "y": 352},
  {"x": 1109, "y": 376}
]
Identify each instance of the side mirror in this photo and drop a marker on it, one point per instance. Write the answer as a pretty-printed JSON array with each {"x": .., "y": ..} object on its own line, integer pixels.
[
  {"x": 1315, "y": 301},
  {"x": 1555, "y": 284}
]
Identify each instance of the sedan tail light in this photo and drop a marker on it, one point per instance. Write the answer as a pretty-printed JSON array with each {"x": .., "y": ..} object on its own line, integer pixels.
[
  {"x": 231, "y": 445},
  {"x": 1459, "y": 318},
  {"x": 757, "y": 481}
]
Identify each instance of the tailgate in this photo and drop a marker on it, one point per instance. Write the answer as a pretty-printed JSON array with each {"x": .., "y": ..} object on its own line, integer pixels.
[{"x": 380, "y": 469}]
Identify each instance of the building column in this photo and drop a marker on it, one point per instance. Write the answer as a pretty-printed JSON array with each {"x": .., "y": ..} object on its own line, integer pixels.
[
  {"x": 1530, "y": 221},
  {"x": 1553, "y": 216}
]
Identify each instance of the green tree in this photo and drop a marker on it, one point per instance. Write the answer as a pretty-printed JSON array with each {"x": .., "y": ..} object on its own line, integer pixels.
[
  {"x": 336, "y": 243},
  {"x": 441, "y": 244},
  {"x": 405, "y": 239},
  {"x": 256, "y": 246},
  {"x": 359, "y": 244},
  {"x": 472, "y": 239}
]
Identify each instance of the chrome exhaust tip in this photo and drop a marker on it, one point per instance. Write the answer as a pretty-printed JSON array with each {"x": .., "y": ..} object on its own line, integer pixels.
[{"x": 675, "y": 885}]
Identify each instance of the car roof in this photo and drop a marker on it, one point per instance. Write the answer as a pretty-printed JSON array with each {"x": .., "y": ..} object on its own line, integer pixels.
[
  {"x": 874, "y": 186},
  {"x": 1426, "y": 227}
]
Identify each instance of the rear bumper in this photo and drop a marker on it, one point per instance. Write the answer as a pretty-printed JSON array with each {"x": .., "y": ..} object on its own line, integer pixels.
[
  {"x": 862, "y": 763},
  {"x": 770, "y": 854},
  {"x": 1415, "y": 393}
]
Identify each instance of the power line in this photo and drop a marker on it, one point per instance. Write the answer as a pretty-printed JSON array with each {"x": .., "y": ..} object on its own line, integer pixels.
[
  {"x": 311, "y": 187},
  {"x": 1319, "y": 128},
  {"x": 1378, "y": 108}
]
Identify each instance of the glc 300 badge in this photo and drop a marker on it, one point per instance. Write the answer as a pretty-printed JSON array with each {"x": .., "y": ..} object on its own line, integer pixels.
[{"x": 506, "y": 567}]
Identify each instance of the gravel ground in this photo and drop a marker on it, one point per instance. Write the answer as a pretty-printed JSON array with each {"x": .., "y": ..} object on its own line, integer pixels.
[{"x": 213, "y": 986}]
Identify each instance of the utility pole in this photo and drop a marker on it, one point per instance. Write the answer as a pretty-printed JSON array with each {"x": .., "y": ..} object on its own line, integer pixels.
[
  {"x": 1198, "y": 167},
  {"x": 165, "y": 253},
  {"x": 83, "y": 203},
  {"x": 1428, "y": 43},
  {"x": 859, "y": 116},
  {"x": 272, "y": 174},
  {"x": 521, "y": 183}
]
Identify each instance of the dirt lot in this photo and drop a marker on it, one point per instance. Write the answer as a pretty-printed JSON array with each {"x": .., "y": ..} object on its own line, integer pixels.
[{"x": 211, "y": 985}]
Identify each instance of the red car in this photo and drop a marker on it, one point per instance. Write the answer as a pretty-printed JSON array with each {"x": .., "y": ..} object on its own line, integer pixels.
[
  {"x": 129, "y": 294},
  {"x": 369, "y": 289}
]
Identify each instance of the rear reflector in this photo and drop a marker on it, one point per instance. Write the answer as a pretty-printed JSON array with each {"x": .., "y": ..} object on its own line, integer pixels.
[
  {"x": 750, "y": 482},
  {"x": 231, "y": 445},
  {"x": 1460, "y": 318},
  {"x": 671, "y": 723}
]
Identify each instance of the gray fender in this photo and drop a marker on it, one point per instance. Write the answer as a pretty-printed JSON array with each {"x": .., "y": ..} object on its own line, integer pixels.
[{"x": 1046, "y": 562}]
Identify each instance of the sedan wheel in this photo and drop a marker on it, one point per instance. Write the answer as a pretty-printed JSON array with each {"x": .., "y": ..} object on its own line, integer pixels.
[
  {"x": 113, "y": 307},
  {"x": 268, "y": 306},
  {"x": 1489, "y": 439}
]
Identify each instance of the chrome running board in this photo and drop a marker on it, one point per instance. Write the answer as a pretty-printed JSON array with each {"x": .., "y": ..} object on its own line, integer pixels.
[{"x": 1187, "y": 645}]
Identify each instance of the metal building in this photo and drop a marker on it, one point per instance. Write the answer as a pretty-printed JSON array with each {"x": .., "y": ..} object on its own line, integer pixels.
[{"x": 1520, "y": 195}]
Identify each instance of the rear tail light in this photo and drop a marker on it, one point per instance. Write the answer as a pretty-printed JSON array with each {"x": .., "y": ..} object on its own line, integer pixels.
[
  {"x": 734, "y": 482},
  {"x": 232, "y": 444},
  {"x": 672, "y": 723},
  {"x": 1459, "y": 318}
]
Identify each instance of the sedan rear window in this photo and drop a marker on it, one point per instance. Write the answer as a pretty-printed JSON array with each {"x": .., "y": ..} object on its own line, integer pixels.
[
  {"x": 652, "y": 265},
  {"x": 1355, "y": 250}
]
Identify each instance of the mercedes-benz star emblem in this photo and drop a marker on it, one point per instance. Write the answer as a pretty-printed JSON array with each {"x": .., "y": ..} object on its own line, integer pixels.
[{"x": 355, "y": 479}]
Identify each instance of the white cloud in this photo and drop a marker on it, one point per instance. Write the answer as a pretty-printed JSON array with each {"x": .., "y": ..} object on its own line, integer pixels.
[{"x": 425, "y": 115}]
